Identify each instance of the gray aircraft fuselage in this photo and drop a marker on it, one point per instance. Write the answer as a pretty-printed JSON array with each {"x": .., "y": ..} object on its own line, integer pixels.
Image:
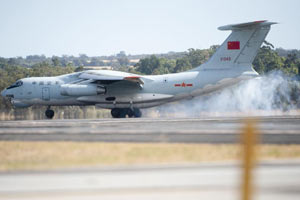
[{"x": 157, "y": 89}]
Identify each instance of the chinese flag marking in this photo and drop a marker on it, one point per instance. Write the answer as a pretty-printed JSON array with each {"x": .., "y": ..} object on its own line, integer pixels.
[{"x": 233, "y": 45}]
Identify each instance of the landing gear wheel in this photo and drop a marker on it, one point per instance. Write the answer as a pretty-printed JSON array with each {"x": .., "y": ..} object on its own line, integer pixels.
[
  {"x": 115, "y": 112},
  {"x": 122, "y": 112},
  {"x": 130, "y": 113},
  {"x": 137, "y": 112},
  {"x": 49, "y": 113}
]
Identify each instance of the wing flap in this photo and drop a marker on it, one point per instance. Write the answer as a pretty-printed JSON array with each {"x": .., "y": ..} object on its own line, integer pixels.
[
  {"x": 135, "y": 79},
  {"x": 99, "y": 77}
]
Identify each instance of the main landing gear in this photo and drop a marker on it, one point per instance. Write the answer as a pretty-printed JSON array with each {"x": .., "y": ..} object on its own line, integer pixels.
[
  {"x": 49, "y": 113},
  {"x": 122, "y": 112}
]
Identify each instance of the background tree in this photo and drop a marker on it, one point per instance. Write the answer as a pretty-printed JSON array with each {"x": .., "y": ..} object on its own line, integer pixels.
[
  {"x": 182, "y": 64},
  {"x": 148, "y": 65},
  {"x": 196, "y": 56},
  {"x": 267, "y": 60},
  {"x": 124, "y": 61},
  {"x": 55, "y": 61}
]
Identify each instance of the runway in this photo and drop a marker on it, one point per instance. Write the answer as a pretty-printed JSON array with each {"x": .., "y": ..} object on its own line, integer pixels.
[
  {"x": 274, "y": 180},
  {"x": 273, "y": 129}
]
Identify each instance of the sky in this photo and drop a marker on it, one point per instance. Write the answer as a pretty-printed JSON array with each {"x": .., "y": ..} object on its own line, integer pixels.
[{"x": 106, "y": 27}]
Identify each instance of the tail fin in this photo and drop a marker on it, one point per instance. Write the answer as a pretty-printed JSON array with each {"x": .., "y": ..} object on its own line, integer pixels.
[{"x": 241, "y": 47}]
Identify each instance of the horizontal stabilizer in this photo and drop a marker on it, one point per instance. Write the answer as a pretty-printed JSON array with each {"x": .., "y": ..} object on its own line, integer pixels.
[{"x": 246, "y": 25}]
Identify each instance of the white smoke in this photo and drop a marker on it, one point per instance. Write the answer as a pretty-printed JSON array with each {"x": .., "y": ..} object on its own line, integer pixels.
[{"x": 271, "y": 94}]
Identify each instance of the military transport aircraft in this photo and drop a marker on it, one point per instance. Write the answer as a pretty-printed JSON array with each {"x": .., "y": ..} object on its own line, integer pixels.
[{"x": 125, "y": 93}]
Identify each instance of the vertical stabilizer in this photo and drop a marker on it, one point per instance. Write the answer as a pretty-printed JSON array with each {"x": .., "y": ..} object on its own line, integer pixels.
[{"x": 241, "y": 47}]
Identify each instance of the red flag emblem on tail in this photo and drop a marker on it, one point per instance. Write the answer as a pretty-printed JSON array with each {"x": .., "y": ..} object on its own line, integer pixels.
[{"x": 233, "y": 45}]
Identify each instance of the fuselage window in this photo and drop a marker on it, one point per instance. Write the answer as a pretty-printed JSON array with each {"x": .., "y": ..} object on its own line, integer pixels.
[
  {"x": 41, "y": 83},
  {"x": 49, "y": 83},
  {"x": 33, "y": 83},
  {"x": 56, "y": 82}
]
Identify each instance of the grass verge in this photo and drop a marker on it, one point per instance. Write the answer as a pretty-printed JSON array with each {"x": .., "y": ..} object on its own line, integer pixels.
[{"x": 51, "y": 155}]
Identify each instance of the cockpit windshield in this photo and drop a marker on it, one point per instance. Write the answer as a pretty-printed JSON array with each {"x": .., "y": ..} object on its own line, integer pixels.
[{"x": 16, "y": 84}]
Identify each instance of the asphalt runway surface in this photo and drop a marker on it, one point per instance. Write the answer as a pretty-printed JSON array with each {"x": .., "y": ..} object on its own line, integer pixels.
[
  {"x": 274, "y": 180},
  {"x": 273, "y": 130}
]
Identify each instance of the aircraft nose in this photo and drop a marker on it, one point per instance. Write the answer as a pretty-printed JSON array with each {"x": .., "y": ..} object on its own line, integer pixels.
[{"x": 3, "y": 93}]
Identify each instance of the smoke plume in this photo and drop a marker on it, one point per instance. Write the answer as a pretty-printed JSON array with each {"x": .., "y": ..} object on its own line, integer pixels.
[{"x": 271, "y": 94}]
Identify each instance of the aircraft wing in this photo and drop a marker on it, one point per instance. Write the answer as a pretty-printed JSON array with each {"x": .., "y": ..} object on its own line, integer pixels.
[{"x": 108, "y": 76}]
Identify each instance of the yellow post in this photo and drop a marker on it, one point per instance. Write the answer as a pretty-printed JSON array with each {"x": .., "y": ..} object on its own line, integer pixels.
[{"x": 249, "y": 139}]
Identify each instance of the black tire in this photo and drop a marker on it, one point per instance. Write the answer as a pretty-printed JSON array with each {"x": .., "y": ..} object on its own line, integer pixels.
[
  {"x": 123, "y": 112},
  {"x": 115, "y": 112},
  {"x": 49, "y": 114},
  {"x": 137, "y": 112},
  {"x": 130, "y": 113}
]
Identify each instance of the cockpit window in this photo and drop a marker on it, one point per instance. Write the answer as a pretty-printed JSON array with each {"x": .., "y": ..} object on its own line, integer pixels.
[{"x": 16, "y": 84}]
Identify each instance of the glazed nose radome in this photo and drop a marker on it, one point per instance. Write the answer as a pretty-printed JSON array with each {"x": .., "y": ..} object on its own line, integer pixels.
[{"x": 3, "y": 93}]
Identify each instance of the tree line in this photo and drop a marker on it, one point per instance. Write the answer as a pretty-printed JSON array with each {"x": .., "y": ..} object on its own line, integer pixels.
[{"x": 266, "y": 60}]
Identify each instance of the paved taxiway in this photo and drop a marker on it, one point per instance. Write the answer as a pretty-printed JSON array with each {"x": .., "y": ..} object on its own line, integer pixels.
[
  {"x": 274, "y": 130},
  {"x": 273, "y": 181}
]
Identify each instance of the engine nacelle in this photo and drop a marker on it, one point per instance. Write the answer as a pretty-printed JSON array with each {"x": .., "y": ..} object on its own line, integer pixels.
[{"x": 81, "y": 90}]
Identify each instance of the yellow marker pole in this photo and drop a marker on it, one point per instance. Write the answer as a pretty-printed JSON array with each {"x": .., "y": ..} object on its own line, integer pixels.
[{"x": 249, "y": 139}]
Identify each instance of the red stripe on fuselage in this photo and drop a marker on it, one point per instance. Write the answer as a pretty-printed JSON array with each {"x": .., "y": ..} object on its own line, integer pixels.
[{"x": 183, "y": 85}]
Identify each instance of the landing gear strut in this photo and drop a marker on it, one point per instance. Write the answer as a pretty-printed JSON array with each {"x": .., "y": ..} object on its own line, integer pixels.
[
  {"x": 49, "y": 113},
  {"x": 122, "y": 112}
]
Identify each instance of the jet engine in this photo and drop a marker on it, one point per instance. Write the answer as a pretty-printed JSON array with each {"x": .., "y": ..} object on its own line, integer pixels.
[{"x": 81, "y": 90}]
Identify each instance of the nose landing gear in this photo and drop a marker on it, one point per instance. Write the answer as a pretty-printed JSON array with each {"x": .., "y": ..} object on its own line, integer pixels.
[
  {"x": 122, "y": 112},
  {"x": 49, "y": 113}
]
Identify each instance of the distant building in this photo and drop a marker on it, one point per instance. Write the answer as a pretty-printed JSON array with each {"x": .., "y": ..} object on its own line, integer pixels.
[
  {"x": 134, "y": 60},
  {"x": 121, "y": 54},
  {"x": 131, "y": 67}
]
